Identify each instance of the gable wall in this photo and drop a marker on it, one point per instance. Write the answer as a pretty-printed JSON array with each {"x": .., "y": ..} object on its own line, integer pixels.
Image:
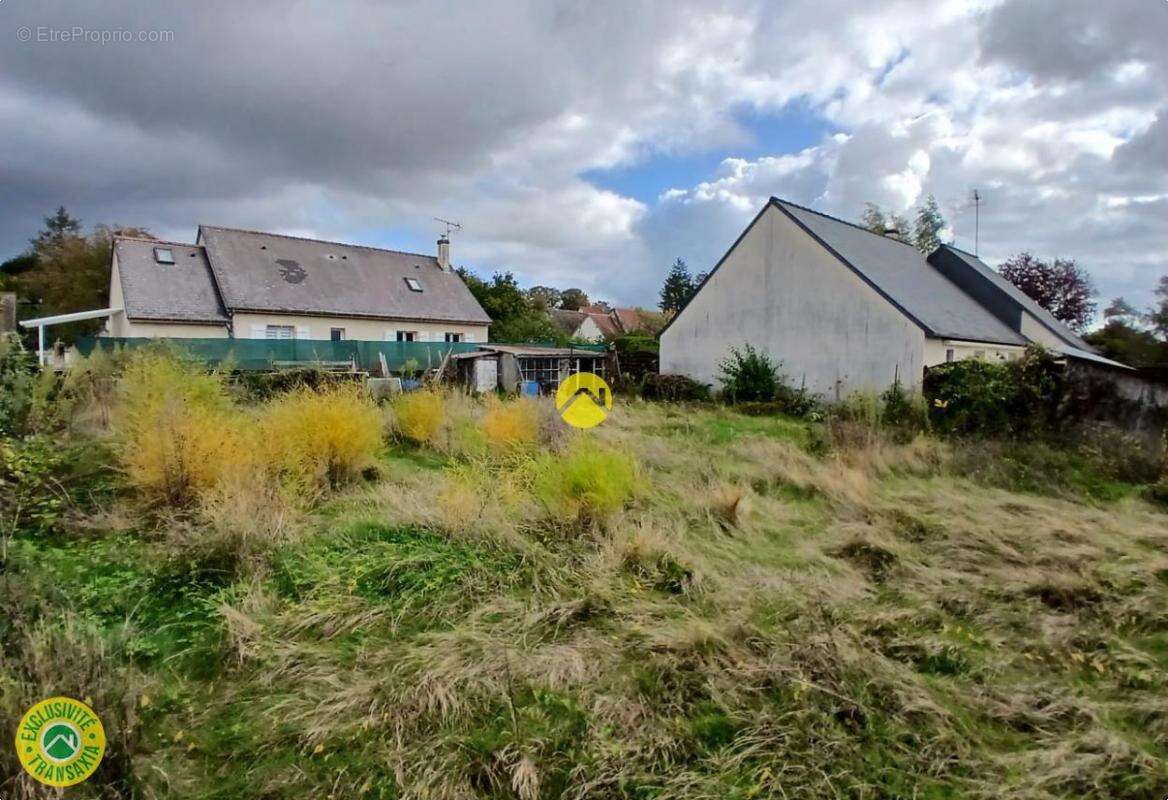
[
  {"x": 589, "y": 331},
  {"x": 784, "y": 293}
]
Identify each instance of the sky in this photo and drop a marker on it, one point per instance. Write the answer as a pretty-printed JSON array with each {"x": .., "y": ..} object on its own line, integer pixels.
[{"x": 591, "y": 144}]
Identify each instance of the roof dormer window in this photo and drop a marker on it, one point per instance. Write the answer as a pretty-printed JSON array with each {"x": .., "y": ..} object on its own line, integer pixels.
[
  {"x": 414, "y": 284},
  {"x": 163, "y": 255}
]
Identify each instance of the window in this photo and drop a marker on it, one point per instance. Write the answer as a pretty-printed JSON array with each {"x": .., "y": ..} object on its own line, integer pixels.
[
  {"x": 454, "y": 337},
  {"x": 337, "y": 334},
  {"x": 414, "y": 284},
  {"x": 280, "y": 332},
  {"x": 406, "y": 336},
  {"x": 949, "y": 356},
  {"x": 163, "y": 255}
]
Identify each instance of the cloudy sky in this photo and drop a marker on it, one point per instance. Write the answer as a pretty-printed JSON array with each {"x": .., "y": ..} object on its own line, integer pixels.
[{"x": 591, "y": 143}]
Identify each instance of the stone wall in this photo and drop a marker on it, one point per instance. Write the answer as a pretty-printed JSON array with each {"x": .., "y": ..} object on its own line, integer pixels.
[{"x": 1133, "y": 400}]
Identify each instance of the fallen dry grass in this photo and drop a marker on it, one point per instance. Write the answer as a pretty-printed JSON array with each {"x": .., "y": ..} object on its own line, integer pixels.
[{"x": 739, "y": 614}]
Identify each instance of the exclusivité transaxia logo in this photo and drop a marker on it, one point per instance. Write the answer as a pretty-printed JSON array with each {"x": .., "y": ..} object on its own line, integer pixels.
[{"x": 60, "y": 741}]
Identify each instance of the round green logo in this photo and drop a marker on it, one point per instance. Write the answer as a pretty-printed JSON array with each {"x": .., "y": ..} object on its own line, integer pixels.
[{"x": 60, "y": 741}]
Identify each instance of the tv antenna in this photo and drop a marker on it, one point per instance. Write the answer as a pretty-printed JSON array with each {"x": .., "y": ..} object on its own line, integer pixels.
[
  {"x": 976, "y": 220},
  {"x": 451, "y": 227}
]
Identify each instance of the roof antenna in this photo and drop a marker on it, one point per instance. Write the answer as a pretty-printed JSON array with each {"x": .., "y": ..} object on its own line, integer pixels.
[
  {"x": 976, "y": 220},
  {"x": 451, "y": 227}
]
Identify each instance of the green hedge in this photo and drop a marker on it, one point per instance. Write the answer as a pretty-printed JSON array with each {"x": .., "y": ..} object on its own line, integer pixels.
[{"x": 995, "y": 399}]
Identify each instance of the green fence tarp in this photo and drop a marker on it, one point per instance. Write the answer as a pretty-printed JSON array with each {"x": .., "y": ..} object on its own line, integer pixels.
[{"x": 265, "y": 354}]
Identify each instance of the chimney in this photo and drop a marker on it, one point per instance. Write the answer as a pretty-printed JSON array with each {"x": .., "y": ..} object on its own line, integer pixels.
[{"x": 444, "y": 254}]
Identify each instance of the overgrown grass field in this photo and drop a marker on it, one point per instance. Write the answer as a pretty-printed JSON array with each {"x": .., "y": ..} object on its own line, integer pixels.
[{"x": 311, "y": 596}]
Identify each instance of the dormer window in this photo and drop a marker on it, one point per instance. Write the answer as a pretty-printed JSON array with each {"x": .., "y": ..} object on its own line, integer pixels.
[
  {"x": 414, "y": 284},
  {"x": 163, "y": 255}
]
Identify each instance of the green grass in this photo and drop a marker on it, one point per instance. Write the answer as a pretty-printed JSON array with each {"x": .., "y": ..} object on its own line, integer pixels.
[{"x": 725, "y": 616}]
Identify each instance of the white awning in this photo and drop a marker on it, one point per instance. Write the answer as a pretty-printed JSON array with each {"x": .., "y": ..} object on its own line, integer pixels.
[{"x": 58, "y": 319}]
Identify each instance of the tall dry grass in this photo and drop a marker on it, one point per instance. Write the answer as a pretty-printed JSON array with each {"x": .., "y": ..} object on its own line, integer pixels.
[
  {"x": 512, "y": 426},
  {"x": 320, "y": 438},
  {"x": 418, "y": 416},
  {"x": 178, "y": 431}
]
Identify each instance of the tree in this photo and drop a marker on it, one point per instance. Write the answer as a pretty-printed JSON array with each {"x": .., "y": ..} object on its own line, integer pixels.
[
  {"x": 65, "y": 271},
  {"x": 1157, "y": 316},
  {"x": 889, "y": 224},
  {"x": 928, "y": 226},
  {"x": 515, "y": 317},
  {"x": 573, "y": 300},
  {"x": 1123, "y": 338},
  {"x": 678, "y": 288},
  {"x": 1062, "y": 287},
  {"x": 59, "y": 228},
  {"x": 544, "y": 297},
  {"x": 873, "y": 219}
]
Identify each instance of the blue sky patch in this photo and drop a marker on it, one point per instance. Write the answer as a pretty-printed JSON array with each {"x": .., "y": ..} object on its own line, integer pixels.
[{"x": 790, "y": 130}]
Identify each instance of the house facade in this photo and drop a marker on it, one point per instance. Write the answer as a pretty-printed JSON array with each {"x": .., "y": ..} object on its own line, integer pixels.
[
  {"x": 845, "y": 309},
  {"x": 251, "y": 285}
]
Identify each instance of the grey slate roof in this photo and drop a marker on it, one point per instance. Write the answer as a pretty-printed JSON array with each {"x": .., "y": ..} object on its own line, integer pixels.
[
  {"x": 286, "y": 274},
  {"x": 900, "y": 273},
  {"x": 180, "y": 292},
  {"x": 1007, "y": 292}
]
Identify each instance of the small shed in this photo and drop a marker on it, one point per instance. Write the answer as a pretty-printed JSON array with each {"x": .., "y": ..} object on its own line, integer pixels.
[{"x": 511, "y": 365}]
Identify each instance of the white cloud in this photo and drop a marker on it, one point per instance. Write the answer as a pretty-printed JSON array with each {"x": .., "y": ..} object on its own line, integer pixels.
[{"x": 382, "y": 116}]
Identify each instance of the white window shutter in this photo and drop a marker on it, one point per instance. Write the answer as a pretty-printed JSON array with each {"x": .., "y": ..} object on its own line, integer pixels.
[
  {"x": 303, "y": 332},
  {"x": 259, "y": 331}
]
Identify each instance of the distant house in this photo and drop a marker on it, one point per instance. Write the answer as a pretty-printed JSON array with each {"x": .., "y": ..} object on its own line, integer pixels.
[
  {"x": 253, "y": 285},
  {"x": 846, "y": 309},
  {"x": 598, "y": 324}
]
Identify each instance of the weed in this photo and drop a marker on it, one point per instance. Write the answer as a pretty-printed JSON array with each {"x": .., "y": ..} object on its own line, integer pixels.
[
  {"x": 585, "y": 484},
  {"x": 177, "y": 428},
  {"x": 418, "y": 415},
  {"x": 321, "y": 438},
  {"x": 512, "y": 426}
]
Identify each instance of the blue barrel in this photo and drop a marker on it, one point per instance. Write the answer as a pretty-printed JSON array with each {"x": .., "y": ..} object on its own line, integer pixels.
[{"x": 529, "y": 388}]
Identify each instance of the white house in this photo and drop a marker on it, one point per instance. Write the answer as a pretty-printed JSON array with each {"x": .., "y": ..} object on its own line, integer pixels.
[
  {"x": 846, "y": 309},
  {"x": 252, "y": 285}
]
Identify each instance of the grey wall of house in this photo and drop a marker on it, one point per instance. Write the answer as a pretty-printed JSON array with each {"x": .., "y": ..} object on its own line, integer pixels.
[{"x": 784, "y": 293}]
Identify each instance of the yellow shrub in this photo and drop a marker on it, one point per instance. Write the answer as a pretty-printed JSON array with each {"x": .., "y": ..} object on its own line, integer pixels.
[
  {"x": 513, "y": 425},
  {"x": 320, "y": 438},
  {"x": 419, "y": 415},
  {"x": 586, "y": 483},
  {"x": 178, "y": 430}
]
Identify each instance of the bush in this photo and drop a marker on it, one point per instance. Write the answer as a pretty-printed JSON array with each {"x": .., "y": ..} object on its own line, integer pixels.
[
  {"x": 178, "y": 429},
  {"x": 266, "y": 385},
  {"x": 584, "y": 484},
  {"x": 17, "y": 377},
  {"x": 749, "y": 375},
  {"x": 983, "y": 399},
  {"x": 674, "y": 388},
  {"x": 418, "y": 415},
  {"x": 901, "y": 412},
  {"x": 513, "y": 425},
  {"x": 320, "y": 438},
  {"x": 29, "y": 491}
]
